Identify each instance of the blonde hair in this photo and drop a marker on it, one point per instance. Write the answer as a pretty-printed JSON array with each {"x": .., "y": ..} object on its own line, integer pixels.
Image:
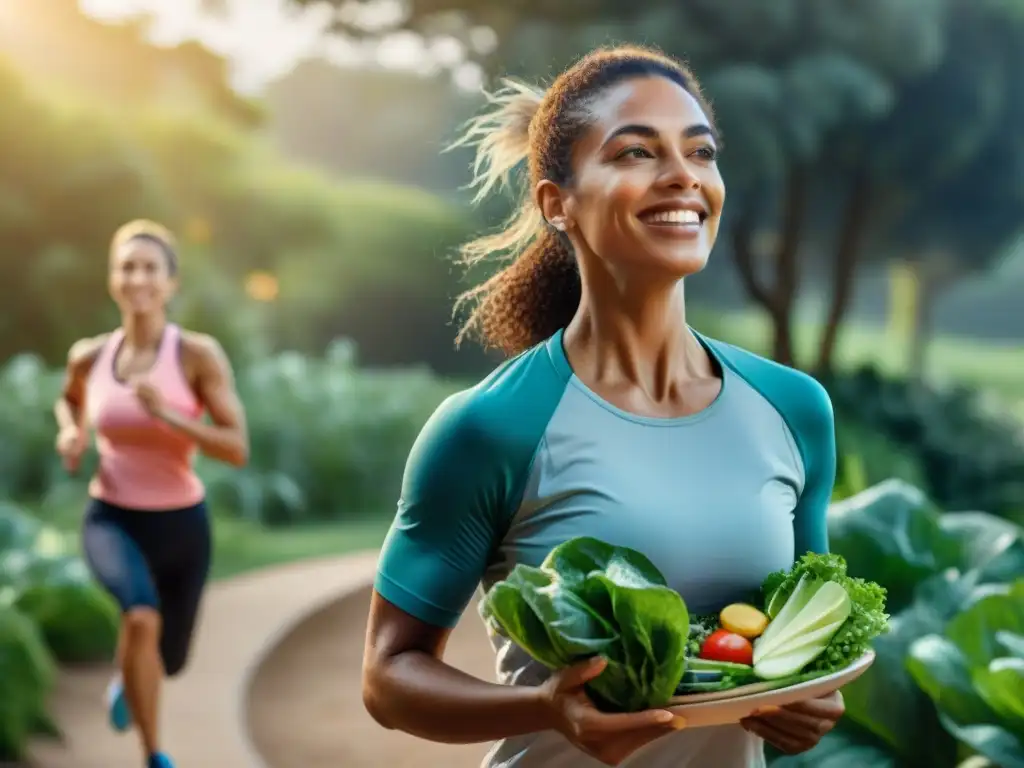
[
  {"x": 145, "y": 229},
  {"x": 538, "y": 291}
]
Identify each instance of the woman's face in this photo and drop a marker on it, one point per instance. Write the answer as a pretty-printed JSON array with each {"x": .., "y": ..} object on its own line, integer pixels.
[
  {"x": 140, "y": 279},
  {"x": 647, "y": 194}
]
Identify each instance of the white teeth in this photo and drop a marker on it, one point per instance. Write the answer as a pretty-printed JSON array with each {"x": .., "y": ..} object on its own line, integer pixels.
[{"x": 683, "y": 216}]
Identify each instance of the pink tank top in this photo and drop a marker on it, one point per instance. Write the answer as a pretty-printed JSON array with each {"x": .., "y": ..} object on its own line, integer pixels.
[{"x": 144, "y": 463}]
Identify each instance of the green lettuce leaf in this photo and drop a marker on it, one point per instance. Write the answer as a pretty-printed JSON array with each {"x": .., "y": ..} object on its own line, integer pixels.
[
  {"x": 974, "y": 674},
  {"x": 592, "y": 598}
]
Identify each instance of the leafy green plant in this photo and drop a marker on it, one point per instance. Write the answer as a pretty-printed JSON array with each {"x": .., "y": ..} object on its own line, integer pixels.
[
  {"x": 50, "y": 611},
  {"x": 934, "y": 565},
  {"x": 974, "y": 673},
  {"x": 27, "y": 674},
  {"x": 46, "y": 583},
  {"x": 589, "y": 598},
  {"x": 329, "y": 439}
]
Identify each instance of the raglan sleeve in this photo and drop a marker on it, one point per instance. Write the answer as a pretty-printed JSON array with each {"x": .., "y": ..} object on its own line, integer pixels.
[
  {"x": 817, "y": 423},
  {"x": 453, "y": 496}
]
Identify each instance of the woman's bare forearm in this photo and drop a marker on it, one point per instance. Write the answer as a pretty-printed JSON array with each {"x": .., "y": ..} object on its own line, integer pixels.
[
  {"x": 224, "y": 443},
  {"x": 416, "y": 693},
  {"x": 67, "y": 415}
]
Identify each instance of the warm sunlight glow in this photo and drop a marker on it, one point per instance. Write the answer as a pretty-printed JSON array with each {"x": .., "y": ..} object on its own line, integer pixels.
[
  {"x": 261, "y": 286},
  {"x": 198, "y": 230}
]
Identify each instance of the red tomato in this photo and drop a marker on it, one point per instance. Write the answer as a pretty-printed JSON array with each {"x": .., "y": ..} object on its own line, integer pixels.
[{"x": 723, "y": 645}]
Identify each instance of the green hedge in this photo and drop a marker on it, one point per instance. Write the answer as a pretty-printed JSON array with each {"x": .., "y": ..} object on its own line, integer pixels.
[
  {"x": 966, "y": 454},
  {"x": 329, "y": 439},
  {"x": 50, "y": 611}
]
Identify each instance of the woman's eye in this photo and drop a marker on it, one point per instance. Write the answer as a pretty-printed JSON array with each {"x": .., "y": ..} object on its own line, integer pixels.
[{"x": 635, "y": 153}]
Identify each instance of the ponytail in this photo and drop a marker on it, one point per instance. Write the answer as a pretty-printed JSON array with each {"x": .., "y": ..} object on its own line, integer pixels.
[{"x": 538, "y": 292}]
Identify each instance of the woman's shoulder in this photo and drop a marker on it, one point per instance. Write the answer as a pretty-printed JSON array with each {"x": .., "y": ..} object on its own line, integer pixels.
[
  {"x": 84, "y": 352},
  {"x": 790, "y": 390},
  {"x": 201, "y": 352},
  {"x": 502, "y": 418}
]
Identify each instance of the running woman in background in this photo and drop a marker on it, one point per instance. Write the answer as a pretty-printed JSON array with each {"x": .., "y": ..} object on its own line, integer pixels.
[
  {"x": 144, "y": 389},
  {"x": 613, "y": 419}
]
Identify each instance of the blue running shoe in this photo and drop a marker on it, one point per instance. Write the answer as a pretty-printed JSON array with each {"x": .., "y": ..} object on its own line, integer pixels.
[
  {"x": 118, "y": 711},
  {"x": 159, "y": 760}
]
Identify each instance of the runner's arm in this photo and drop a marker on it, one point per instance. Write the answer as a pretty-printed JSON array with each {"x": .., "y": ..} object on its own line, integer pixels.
[
  {"x": 81, "y": 356},
  {"x": 227, "y": 438}
]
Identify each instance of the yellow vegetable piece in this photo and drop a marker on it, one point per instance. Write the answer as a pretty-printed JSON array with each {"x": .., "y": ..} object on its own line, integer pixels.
[{"x": 745, "y": 620}]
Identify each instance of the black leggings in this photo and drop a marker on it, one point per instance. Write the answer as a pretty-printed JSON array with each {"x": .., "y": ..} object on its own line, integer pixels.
[{"x": 157, "y": 560}]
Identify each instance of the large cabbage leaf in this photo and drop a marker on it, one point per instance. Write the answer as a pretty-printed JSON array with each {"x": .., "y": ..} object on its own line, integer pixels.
[
  {"x": 974, "y": 672},
  {"x": 933, "y": 565},
  {"x": 591, "y": 598}
]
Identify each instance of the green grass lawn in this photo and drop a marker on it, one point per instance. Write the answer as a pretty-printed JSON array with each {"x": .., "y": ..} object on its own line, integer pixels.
[
  {"x": 978, "y": 363},
  {"x": 241, "y": 545}
]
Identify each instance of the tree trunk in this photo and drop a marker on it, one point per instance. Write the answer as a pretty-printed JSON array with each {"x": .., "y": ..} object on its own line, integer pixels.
[
  {"x": 844, "y": 272},
  {"x": 933, "y": 278},
  {"x": 777, "y": 299},
  {"x": 921, "y": 336}
]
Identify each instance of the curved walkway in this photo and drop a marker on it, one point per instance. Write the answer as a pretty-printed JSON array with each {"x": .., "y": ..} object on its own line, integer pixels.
[
  {"x": 305, "y": 707},
  {"x": 204, "y": 712}
]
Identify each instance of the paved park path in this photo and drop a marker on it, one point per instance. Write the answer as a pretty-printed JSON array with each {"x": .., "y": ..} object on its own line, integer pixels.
[{"x": 273, "y": 683}]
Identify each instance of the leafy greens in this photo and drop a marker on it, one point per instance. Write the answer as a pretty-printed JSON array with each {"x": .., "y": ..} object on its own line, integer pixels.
[
  {"x": 588, "y": 598},
  {"x": 820, "y": 617},
  {"x": 591, "y": 598}
]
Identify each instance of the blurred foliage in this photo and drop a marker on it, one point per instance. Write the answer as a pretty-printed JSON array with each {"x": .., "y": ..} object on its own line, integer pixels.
[
  {"x": 50, "y": 611},
  {"x": 329, "y": 440},
  {"x": 116, "y": 62},
  {"x": 851, "y": 128},
  {"x": 963, "y": 450},
  {"x": 359, "y": 259}
]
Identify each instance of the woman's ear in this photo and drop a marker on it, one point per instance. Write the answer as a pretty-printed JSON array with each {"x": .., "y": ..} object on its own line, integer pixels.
[{"x": 553, "y": 205}]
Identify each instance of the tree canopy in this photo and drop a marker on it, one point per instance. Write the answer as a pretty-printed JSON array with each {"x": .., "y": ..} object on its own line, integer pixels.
[{"x": 851, "y": 128}]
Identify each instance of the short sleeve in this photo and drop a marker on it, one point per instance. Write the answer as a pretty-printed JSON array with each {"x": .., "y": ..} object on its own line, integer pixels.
[{"x": 454, "y": 499}]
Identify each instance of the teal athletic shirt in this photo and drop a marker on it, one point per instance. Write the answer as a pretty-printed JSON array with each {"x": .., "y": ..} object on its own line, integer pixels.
[{"x": 530, "y": 457}]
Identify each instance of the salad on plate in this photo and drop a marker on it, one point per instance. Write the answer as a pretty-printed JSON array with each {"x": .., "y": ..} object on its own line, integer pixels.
[{"x": 592, "y": 598}]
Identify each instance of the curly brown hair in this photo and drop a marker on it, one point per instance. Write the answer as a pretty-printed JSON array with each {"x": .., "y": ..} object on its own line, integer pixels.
[{"x": 539, "y": 291}]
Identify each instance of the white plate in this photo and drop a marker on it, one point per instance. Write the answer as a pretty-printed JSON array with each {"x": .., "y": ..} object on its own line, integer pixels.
[{"x": 725, "y": 707}]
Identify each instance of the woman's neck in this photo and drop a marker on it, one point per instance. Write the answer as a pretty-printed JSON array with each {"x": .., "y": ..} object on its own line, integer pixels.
[
  {"x": 143, "y": 331},
  {"x": 636, "y": 337}
]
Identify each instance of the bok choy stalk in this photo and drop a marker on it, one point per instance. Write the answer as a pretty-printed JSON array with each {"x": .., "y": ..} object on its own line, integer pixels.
[{"x": 821, "y": 618}]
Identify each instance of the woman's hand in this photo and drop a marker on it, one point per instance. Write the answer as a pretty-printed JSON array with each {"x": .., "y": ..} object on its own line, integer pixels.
[
  {"x": 610, "y": 738},
  {"x": 798, "y": 727},
  {"x": 149, "y": 397},
  {"x": 70, "y": 447}
]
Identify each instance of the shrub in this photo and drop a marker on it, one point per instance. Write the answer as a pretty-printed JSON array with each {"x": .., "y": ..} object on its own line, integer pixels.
[
  {"x": 329, "y": 440},
  {"x": 27, "y": 675},
  {"x": 968, "y": 456},
  {"x": 49, "y": 611}
]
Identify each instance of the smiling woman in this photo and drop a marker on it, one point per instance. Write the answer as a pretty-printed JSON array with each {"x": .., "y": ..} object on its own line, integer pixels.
[
  {"x": 143, "y": 389},
  {"x": 613, "y": 419}
]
